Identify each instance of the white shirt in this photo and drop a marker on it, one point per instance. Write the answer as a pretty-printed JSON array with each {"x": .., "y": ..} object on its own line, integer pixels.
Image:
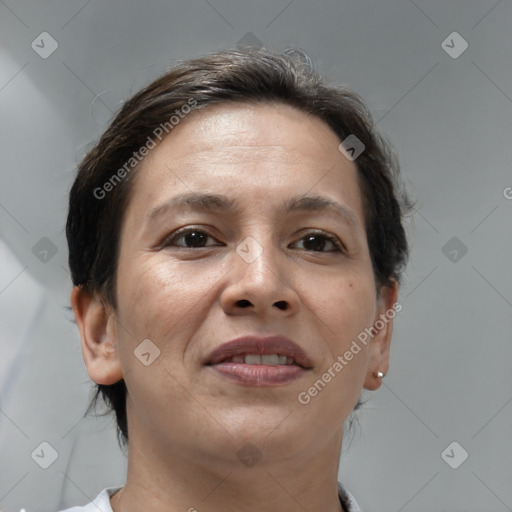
[{"x": 102, "y": 502}]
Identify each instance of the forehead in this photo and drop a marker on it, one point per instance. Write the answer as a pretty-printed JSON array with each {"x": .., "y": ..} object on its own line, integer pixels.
[
  {"x": 271, "y": 128},
  {"x": 266, "y": 150}
]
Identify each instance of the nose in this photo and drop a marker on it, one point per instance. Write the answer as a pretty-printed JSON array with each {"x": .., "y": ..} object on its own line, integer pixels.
[{"x": 261, "y": 281}]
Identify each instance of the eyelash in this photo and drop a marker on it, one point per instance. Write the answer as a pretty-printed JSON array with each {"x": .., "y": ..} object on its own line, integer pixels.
[{"x": 180, "y": 233}]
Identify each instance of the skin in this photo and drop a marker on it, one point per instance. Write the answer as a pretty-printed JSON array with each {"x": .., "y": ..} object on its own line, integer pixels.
[{"x": 186, "y": 423}]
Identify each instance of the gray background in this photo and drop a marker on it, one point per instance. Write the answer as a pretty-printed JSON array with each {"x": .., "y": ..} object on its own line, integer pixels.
[{"x": 450, "y": 120}]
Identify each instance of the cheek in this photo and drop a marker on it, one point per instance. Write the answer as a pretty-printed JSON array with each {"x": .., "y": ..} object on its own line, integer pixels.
[
  {"x": 347, "y": 308},
  {"x": 160, "y": 298},
  {"x": 157, "y": 301},
  {"x": 349, "y": 305}
]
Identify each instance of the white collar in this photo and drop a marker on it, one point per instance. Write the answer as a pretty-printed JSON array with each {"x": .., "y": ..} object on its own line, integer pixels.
[{"x": 347, "y": 500}]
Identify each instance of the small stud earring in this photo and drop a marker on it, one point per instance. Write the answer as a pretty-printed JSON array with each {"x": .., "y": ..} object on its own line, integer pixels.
[{"x": 379, "y": 375}]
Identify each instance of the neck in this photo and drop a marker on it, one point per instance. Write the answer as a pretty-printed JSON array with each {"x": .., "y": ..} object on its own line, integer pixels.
[{"x": 173, "y": 480}]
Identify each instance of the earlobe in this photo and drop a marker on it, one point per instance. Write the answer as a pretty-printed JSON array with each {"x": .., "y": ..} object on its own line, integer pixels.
[
  {"x": 98, "y": 334},
  {"x": 378, "y": 360}
]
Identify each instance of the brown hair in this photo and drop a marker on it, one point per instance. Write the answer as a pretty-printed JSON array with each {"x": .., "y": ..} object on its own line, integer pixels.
[{"x": 100, "y": 193}]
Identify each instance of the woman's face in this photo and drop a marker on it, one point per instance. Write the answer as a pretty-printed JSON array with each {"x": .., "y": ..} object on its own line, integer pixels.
[{"x": 251, "y": 268}]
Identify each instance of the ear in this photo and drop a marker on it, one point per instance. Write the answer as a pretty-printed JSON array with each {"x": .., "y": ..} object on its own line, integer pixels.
[
  {"x": 97, "y": 326},
  {"x": 378, "y": 360}
]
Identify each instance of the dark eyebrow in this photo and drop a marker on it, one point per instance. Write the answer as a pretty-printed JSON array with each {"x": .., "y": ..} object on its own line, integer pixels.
[
  {"x": 319, "y": 203},
  {"x": 221, "y": 203},
  {"x": 197, "y": 200}
]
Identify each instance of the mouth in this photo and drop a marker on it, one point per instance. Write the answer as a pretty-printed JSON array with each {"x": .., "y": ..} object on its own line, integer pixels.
[
  {"x": 267, "y": 359},
  {"x": 256, "y": 361}
]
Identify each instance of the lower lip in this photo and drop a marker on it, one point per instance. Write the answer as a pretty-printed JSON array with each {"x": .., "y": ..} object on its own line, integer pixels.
[{"x": 259, "y": 375}]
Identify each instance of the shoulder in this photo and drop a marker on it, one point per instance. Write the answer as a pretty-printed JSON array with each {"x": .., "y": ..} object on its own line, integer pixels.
[{"x": 100, "y": 504}]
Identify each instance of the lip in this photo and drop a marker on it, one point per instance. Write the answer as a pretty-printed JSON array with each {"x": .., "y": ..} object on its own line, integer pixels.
[{"x": 259, "y": 375}]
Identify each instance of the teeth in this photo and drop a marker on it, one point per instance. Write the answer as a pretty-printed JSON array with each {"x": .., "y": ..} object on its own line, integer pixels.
[
  {"x": 270, "y": 359},
  {"x": 252, "y": 359},
  {"x": 267, "y": 359}
]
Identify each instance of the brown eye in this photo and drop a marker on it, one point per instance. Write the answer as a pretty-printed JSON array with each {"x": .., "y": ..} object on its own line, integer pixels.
[
  {"x": 192, "y": 238},
  {"x": 318, "y": 241}
]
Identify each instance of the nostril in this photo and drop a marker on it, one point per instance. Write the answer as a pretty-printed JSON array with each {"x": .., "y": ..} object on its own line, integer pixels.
[
  {"x": 243, "y": 303},
  {"x": 281, "y": 304}
]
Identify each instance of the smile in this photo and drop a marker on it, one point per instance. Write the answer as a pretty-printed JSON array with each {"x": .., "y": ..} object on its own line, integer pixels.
[{"x": 267, "y": 359}]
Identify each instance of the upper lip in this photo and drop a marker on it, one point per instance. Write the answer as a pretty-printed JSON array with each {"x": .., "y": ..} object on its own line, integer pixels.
[{"x": 259, "y": 345}]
